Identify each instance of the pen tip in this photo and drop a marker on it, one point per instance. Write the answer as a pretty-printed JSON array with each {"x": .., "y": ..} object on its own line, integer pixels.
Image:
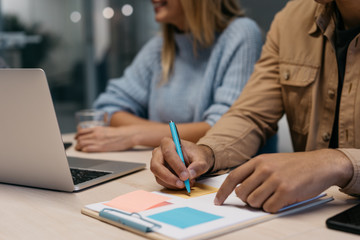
[{"x": 188, "y": 189}]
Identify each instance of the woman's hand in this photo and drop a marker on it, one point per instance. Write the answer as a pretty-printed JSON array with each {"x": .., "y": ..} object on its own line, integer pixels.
[{"x": 106, "y": 139}]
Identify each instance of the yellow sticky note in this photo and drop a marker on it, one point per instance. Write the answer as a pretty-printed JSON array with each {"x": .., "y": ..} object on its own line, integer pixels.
[
  {"x": 137, "y": 201},
  {"x": 196, "y": 191}
]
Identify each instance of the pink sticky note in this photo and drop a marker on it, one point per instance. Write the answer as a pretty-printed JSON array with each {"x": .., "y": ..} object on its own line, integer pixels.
[{"x": 137, "y": 201}]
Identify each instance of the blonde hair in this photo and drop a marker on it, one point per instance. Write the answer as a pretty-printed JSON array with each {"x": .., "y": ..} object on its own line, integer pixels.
[{"x": 203, "y": 19}]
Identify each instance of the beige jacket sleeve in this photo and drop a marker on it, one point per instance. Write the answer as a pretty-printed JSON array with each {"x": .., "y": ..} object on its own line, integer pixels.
[{"x": 353, "y": 187}]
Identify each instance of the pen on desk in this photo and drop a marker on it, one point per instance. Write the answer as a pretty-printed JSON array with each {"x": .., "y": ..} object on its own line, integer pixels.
[{"x": 176, "y": 139}]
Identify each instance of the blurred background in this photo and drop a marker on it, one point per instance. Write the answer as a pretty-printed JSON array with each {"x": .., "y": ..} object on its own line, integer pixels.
[{"x": 81, "y": 44}]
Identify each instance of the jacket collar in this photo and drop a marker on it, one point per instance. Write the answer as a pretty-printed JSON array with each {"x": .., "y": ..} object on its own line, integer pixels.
[{"x": 324, "y": 13}]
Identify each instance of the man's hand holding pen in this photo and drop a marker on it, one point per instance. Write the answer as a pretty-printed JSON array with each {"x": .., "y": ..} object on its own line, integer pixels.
[{"x": 170, "y": 172}]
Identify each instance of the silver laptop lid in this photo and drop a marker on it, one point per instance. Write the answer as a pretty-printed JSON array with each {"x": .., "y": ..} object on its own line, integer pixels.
[{"x": 31, "y": 147}]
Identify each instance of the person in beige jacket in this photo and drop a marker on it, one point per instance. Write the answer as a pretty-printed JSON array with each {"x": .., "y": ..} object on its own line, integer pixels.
[{"x": 309, "y": 70}]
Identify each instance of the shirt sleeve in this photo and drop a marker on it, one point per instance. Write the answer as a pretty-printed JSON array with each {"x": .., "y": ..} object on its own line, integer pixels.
[
  {"x": 239, "y": 47},
  {"x": 353, "y": 187},
  {"x": 130, "y": 93}
]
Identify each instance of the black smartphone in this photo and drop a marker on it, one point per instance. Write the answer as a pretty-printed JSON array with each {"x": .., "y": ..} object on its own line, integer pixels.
[{"x": 348, "y": 220}]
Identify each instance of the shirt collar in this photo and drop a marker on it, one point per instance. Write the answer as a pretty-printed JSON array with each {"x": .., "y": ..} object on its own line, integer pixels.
[{"x": 323, "y": 19}]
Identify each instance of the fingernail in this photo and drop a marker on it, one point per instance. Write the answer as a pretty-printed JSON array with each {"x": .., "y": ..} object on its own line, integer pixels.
[
  {"x": 179, "y": 183},
  {"x": 184, "y": 175},
  {"x": 216, "y": 201},
  {"x": 192, "y": 173}
]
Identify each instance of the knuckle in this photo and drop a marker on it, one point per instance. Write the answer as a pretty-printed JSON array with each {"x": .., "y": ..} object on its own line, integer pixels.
[
  {"x": 285, "y": 189},
  {"x": 269, "y": 207},
  {"x": 239, "y": 193},
  {"x": 276, "y": 180},
  {"x": 265, "y": 169},
  {"x": 202, "y": 166},
  {"x": 166, "y": 151},
  {"x": 232, "y": 176},
  {"x": 153, "y": 167},
  {"x": 158, "y": 181},
  {"x": 253, "y": 200},
  {"x": 253, "y": 203},
  {"x": 264, "y": 159},
  {"x": 155, "y": 151},
  {"x": 260, "y": 159}
]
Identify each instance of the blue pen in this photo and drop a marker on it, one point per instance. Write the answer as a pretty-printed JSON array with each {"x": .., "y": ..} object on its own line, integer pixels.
[{"x": 176, "y": 139}]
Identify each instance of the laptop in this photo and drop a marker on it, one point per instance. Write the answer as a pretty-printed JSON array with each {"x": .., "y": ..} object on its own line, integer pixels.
[{"x": 32, "y": 152}]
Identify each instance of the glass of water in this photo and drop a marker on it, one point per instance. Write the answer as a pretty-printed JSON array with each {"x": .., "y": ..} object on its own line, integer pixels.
[{"x": 89, "y": 118}]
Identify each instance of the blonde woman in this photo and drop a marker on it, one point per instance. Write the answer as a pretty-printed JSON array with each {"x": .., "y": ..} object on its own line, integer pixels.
[{"x": 191, "y": 74}]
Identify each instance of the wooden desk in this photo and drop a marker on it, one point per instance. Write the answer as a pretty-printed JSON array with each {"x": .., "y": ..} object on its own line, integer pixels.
[{"x": 29, "y": 213}]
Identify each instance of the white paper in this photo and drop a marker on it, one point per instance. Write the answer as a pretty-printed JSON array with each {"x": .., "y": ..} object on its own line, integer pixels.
[{"x": 233, "y": 212}]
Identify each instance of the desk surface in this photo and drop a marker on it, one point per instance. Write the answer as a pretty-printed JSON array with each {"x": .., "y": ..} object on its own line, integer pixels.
[{"x": 29, "y": 213}]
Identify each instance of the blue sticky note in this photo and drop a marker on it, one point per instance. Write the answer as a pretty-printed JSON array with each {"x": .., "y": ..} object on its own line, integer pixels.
[{"x": 184, "y": 217}]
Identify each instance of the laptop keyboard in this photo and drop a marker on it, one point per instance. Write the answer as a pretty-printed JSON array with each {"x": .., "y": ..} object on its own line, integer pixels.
[{"x": 83, "y": 175}]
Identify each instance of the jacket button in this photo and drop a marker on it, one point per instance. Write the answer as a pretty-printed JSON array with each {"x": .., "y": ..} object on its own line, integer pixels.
[
  {"x": 286, "y": 75},
  {"x": 331, "y": 94},
  {"x": 326, "y": 137}
]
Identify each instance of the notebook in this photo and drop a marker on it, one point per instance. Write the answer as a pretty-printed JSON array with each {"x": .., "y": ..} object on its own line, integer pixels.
[
  {"x": 31, "y": 148},
  {"x": 173, "y": 214}
]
